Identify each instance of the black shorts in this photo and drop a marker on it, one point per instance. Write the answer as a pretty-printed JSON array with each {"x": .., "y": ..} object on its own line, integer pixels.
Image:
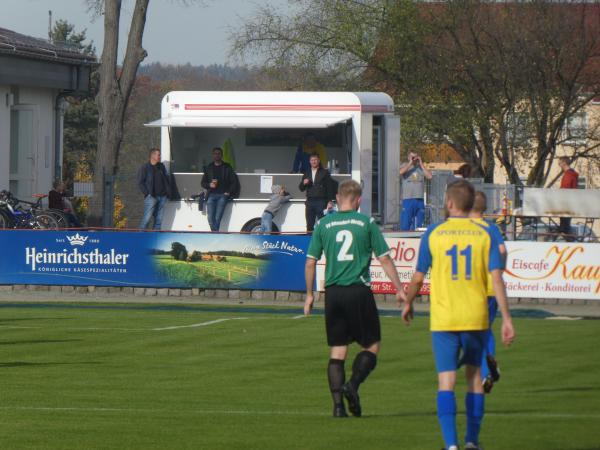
[{"x": 351, "y": 316}]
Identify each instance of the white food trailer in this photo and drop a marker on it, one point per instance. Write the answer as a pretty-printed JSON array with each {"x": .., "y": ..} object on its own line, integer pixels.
[{"x": 359, "y": 131}]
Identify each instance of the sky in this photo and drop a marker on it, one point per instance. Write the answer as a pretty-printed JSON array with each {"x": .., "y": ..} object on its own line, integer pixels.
[{"x": 175, "y": 33}]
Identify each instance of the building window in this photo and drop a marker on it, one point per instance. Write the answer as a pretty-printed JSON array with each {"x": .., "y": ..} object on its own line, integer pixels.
[
  {"x": 518, "y": 131},
  {"x": 576, "y": 129}
]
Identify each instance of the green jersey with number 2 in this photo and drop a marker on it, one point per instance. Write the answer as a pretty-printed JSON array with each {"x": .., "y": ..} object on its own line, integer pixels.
[{"x": 348, "y": 240}]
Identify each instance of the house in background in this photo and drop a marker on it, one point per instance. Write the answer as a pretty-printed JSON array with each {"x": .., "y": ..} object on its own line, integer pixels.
[{"x": 35, "y": 76}]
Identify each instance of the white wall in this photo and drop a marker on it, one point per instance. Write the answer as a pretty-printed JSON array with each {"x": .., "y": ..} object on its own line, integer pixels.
[
  {"x": 43, "y": 99},
  {"x": 4, "y": 138}
]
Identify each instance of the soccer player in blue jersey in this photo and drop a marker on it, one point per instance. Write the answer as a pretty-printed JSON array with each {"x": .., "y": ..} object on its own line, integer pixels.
[
  {"x": 489, "y": 366},
  {"x": 460, "y": 252}
]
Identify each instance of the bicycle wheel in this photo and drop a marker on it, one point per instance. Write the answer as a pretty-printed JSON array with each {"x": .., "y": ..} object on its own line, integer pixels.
[
  {"x": 60, "y": 217},
  {"x": 44, "y": 221},
  {"x": 5, "y": 221}
]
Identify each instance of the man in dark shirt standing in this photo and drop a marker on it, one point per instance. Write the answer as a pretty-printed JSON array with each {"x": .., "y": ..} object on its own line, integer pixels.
[
  {"x": 154, "y": 183},
  {"x": 568, "y": 181},
  {"x": 320, "y": 191},
  {"x": 220, "y": 181}
]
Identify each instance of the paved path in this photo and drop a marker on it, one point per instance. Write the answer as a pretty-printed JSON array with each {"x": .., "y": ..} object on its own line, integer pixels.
[{"x": 587, "y": 310}]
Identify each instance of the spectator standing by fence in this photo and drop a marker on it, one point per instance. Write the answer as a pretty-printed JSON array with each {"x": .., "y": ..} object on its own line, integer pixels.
[
  {"x": 413, "y": 174},
  {"x": 154, "y": 182},
  {"x": 569, "y": 180}
]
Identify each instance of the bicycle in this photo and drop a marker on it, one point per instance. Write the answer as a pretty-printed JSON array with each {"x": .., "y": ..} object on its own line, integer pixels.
[{"x": 14, "y": 215}]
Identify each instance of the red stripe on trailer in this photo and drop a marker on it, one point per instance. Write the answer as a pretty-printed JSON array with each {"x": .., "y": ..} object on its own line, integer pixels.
[{"x": 213, "y": 106}]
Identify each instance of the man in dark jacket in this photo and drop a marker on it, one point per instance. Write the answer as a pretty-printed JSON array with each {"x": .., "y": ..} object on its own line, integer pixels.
[
  {"x": 153, "y": 181},
  {"x": 221, "y": 182},
  {"x": 320, "y": 191}
]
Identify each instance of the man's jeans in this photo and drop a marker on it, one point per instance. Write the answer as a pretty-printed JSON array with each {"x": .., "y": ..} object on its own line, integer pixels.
[
  {"x": 215, "y": 207},
  {"x": 153, "y": 207},
  {"x": 314, "y": 211},
  {"x": 266, "y": 222},
  {"x": 413, "y": 214}
]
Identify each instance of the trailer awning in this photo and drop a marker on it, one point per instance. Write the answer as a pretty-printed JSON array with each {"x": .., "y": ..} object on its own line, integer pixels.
[{"x": 249, "y": 122}]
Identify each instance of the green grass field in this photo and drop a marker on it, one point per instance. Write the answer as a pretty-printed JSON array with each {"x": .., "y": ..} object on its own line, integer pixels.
[
  {"x": 110, "y": 376},
  {"x": 233, "y": 272}
]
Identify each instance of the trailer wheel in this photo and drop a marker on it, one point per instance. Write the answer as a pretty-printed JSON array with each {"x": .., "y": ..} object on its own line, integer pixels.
[{"x": 253, "y": 226}]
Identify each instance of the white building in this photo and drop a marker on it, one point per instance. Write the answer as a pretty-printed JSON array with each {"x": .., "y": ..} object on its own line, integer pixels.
[{"x": 35, "y": 76}]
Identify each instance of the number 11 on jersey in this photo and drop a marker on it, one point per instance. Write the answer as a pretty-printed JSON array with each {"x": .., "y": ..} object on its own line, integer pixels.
[{"x": 454, "y": 254}]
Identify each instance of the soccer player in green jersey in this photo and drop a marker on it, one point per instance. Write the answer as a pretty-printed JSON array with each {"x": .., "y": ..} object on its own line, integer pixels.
[
  {"x": 348, "y": 239},
  {"x": 460, "y": 253}
]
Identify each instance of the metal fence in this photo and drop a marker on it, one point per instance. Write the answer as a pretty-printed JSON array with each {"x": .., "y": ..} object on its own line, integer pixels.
[{"x": 499, "y": 196}]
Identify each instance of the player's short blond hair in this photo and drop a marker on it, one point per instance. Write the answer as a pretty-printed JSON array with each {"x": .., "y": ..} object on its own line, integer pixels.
[
  {"x": 480, "y": 203},
  {"x": 349, "y": 189},
  {"x": 462, "y": 194}
]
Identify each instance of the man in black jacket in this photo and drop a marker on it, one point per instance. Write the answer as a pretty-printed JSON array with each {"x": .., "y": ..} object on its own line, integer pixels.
[
  {"x": 320, "y": 191},
  {"x": 221, "y": 182},
  {"x": 155, "y": 184}
]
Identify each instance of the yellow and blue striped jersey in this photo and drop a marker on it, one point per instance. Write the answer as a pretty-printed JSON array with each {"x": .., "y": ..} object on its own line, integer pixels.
[{"x": 460, "y": 253}]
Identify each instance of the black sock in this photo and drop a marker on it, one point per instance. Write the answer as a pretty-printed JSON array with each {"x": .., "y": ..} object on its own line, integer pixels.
[
  {"x": 364, "y": 363},
  {"x": 337, "y": 377}
]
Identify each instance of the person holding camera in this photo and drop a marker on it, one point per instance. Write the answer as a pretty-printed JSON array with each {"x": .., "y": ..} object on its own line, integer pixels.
[{"x": 413, "y": 174}]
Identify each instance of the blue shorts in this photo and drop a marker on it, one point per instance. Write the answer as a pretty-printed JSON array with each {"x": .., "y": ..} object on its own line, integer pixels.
[{"x": 447, "y": 346}]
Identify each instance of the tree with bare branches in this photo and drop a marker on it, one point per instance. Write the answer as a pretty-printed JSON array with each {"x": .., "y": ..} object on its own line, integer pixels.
[{"x": 497, "y": 82}]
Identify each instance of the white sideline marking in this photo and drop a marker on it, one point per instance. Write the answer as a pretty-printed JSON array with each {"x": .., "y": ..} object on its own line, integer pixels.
[
  {"x": 563, "y": 318},
  {"x": 298, "y": 317},
  {"x": 195, "y": 325}
]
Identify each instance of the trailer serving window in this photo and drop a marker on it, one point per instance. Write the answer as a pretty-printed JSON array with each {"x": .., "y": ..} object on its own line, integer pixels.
[{"x": 257, "y": 144}]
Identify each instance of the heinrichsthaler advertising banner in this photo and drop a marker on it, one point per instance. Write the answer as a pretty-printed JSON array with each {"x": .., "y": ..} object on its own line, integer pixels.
[{"x": 153, "y": 259}]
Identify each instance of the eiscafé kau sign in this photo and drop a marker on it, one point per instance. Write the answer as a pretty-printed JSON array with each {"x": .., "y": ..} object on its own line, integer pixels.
[{"x": 551, "y": 270}]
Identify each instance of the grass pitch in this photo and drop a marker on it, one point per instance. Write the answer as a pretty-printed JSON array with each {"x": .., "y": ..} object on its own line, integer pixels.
[{"x": 134, "y": 377}]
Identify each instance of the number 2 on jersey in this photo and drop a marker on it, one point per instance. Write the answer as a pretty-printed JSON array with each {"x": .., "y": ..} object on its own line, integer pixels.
[
  {"x": 345, "y": 237},
  {"x": 454, "y": 254}
]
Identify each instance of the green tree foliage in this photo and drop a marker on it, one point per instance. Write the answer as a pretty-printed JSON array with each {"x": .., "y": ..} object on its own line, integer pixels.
[{"x": 178, "y": 251}]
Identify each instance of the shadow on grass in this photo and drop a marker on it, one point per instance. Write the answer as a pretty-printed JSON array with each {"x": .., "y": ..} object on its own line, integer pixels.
[
  {"x": 566, "y": 389},
  {"x": 26, "y": 319},
  {"x": 40, "y": 341},
  {"x": 8, "y": 365},
  {"x": 401, "y": 414}
]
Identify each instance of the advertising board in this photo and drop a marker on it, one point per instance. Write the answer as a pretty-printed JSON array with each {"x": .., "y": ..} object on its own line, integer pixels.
[{"x": 153, "y": 259}]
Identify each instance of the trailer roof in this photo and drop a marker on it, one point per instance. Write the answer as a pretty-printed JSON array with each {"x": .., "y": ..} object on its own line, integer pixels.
[{"x": 183, "y": 102}]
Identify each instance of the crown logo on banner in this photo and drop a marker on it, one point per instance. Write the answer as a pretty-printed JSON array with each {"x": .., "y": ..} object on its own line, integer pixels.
[{"x": 77, "y": 239}]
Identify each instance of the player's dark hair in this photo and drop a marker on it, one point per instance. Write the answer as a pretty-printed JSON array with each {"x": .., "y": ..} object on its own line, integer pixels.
[
  {"x": 218, "y": 149},
  {"x": 152, "y": 150},
  {"x": 349, "y": 189},
  {"x": 462, "y": 194},
  {"x": 565, "y": 159},
  {"x": 314, "y": 154},
  {"x": 480, "y": 203}
]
